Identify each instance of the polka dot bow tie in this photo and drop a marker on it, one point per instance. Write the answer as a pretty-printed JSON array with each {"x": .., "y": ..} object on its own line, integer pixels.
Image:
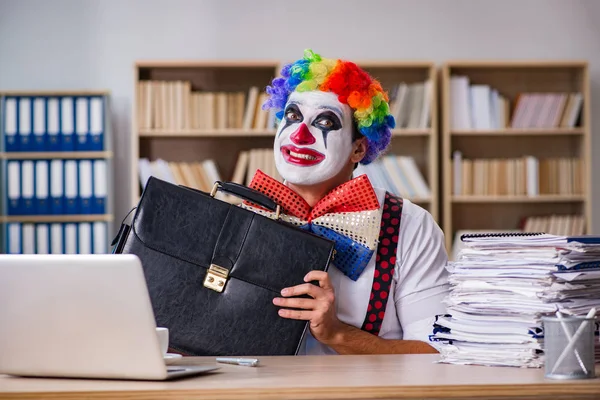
[{"x": 349, "y": 215}]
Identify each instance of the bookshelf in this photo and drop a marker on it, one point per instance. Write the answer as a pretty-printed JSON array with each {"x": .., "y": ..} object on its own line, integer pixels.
[
  {"x": 56, "y": 172},
  {"x": 419, "y": 142},
  {"x": 186, "y": 143},
  {"x": 224, "y": 144},
  {"x": 525, "y": 139}
]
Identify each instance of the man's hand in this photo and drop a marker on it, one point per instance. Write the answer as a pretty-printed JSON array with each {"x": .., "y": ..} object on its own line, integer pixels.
[
  {"x": 320, "y": 310},
  {"x": 328, "y": 329}
]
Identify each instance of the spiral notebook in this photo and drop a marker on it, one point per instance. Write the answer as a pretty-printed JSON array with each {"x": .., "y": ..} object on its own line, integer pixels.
[
  {"x": 573, "y": 252},
  {"x": 530, "y": 239}
]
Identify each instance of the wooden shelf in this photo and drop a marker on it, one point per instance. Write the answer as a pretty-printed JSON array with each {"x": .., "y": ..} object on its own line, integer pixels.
[
  {"x": 40, "y": 159},
  {"x": 526, "y": 64},
  {"x": 411, "y": 64},
  {"x": 411, "y": 132},
  {"x": 54, "y": 93},
  {"x": 420, "y": 200},
  {"x": 57, "y": 218},
  {"x": 520, "y": 132},
  {"x": 206, "y": 64},
  {"x": 210, "y": 133},
  {"x": 44, "y": 155},
  {"x": 216, "y": 133},
  {"x": 548, "y": 198},
  {"x": 512, "y": 78},
  {"x": 150, "y": 140}
]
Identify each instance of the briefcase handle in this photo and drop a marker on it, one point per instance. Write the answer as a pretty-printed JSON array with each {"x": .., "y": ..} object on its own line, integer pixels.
[{"x": 243, "y": 192}]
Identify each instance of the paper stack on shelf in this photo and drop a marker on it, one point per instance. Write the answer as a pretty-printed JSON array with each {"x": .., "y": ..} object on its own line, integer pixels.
[{"x": 501, "y": 286}]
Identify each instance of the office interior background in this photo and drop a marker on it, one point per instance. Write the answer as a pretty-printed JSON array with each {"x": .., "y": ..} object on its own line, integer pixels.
[{"x": 69, "y": 46}]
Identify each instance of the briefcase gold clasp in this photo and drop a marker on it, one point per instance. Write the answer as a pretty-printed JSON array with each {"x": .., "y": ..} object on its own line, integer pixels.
[
  {"x": 215, "y": 187},
  {"x": 216, "y": 278}
]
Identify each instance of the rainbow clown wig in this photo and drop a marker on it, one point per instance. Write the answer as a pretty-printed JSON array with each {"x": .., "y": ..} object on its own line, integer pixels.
[{"x": 352, "y": 85}]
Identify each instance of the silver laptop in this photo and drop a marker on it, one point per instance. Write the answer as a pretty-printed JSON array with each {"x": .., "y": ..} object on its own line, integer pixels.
[{"x": 80, "y": 316}]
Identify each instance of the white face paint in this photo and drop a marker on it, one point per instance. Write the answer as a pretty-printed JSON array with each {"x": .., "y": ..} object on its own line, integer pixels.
[{"x": 314, "y": 139}]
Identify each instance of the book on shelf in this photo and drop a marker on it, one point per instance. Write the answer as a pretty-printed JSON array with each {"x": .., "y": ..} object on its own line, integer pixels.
[
  {"x": 477, "y": 106},
  {"x": 563, "y": 225},
  {"x": 57, "y": 238},
  {"x": 482, "y": 107},
  {"x": 175, "y": 106},
  {"x": 249, "y": 161},
  {"x": 524, "y": 176},
  {"x": 197, "y": 175},
  {"x": 547, "y": 110},
  {"x": 399, "y": 175},
  {"x": 202, "y": 175},
  {"x": 410, "y": 104},
  {"x": 45, "y": 190},
  {"x": 56, "y": 187},
  {"x": 53, "y": 123}
]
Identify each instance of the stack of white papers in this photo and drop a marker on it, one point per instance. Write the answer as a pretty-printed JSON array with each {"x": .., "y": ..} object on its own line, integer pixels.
[{"x": 502, "y": 285}]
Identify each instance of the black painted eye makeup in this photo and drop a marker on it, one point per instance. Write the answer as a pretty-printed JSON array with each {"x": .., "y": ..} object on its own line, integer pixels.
[
  {"x": 292, "y": 114},
  {"x": 327, "y": 121}
]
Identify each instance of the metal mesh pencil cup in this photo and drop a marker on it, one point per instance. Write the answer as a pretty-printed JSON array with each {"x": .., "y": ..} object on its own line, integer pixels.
[{"x": 569, "y": 347}]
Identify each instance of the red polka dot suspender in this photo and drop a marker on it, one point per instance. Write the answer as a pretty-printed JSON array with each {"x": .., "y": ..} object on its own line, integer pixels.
[{"x": 385, "y": 262}]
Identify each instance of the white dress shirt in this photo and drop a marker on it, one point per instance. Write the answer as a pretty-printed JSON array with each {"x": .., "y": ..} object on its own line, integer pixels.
[{"x": 419, "y": 285}]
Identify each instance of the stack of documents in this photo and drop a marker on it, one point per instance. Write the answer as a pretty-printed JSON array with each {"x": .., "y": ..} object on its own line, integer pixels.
[{"x": 501, "y": 286}]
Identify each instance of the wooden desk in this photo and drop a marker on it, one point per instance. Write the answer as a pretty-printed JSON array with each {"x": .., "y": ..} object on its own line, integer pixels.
[{"x": 324, "y": 377}]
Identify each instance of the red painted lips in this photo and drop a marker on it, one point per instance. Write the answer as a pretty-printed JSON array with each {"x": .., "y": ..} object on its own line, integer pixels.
[{"x": 301, "y": 156}]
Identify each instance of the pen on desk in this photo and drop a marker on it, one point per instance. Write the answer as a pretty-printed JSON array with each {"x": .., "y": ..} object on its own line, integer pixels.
[{"x": 245, "y": 362}]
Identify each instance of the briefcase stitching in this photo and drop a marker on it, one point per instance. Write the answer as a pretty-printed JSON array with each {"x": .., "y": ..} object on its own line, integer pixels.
[
  {"x": 243, "y": 241},
  {"x": 245, "y": 236}
]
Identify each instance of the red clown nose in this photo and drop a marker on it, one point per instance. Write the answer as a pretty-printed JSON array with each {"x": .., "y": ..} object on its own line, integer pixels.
[{"x": 302, "y": 136}]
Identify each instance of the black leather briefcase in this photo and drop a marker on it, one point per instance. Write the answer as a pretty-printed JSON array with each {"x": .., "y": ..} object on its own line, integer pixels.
[{"x": 213, "y": 269}]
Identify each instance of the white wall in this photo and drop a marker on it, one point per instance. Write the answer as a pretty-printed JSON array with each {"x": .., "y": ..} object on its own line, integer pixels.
[{"x": 73, "y": 44}]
